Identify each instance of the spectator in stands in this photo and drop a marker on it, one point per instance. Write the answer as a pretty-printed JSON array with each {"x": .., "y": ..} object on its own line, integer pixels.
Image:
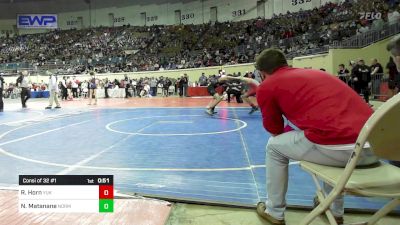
[
  {"x": 127, "y": 48},
  {"x": 319, "y": 131},
  {"x": 393, "y": 16}
]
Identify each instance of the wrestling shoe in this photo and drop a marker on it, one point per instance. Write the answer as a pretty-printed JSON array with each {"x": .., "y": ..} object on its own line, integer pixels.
[
  {"x": 253, "y": 109},
  {"x": 210, "y": 112}
]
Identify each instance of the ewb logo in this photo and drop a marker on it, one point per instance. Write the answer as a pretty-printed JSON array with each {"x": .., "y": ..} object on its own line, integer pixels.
[
  {"x": 48, "y": 21},
  {"x": 370, "y": 15}
]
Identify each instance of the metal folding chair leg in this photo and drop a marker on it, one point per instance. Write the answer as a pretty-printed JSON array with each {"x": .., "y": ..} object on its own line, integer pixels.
[
  {"x": 383, "y": 211},
  {"x": 328, "y": 212},
  {"x": 322, "y": 207}
]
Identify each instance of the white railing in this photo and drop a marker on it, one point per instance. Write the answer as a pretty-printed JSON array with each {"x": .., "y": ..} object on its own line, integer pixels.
[{"x": 369, "y": 37}]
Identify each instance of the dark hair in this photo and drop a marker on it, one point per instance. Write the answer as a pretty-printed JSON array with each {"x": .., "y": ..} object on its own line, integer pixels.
[
  {"x": 394, "y": 46},
  {"x": 342, "y": 65},
  {"x": 270, "y": 60}
]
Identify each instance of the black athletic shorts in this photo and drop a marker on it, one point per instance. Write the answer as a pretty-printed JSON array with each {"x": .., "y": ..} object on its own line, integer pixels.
[{"x": 211, "y": 90}]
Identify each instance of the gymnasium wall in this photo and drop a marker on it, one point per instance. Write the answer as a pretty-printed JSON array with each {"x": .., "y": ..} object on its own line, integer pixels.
[
  {"x": 331, "y": 60},
  {"x": 314, "y": 62},
  {"x": 377, "y": 50}
]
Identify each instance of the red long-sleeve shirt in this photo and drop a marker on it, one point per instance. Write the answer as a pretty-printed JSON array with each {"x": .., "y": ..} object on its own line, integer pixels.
[{"x": 325, "y": 108}]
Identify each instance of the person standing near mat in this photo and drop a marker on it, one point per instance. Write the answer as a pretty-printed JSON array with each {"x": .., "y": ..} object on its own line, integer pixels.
[
  {"x": 74, "y": 86},
  {"x": 1, "y": 92},
  {"x": 92, "y": 89},
  {"x": 64, "y": 90},
  {"x": 328, "y": 114},
  {"x": 53, "y": 88},
  {"x": 361, "y": 75},
  {"x": 165, "y": 86},
  {"x": 23, "y": 81}
]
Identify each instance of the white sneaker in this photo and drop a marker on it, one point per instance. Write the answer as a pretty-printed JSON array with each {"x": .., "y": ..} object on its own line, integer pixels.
[{"x": 210, "y": 112}]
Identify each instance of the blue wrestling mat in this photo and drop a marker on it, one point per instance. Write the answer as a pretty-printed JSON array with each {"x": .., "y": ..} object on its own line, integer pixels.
[{"x": 174, "y": 153}]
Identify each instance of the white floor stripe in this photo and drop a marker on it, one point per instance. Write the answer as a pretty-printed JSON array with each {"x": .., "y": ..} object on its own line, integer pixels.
[
  {"x": 45, "y": 132},
  {"x": 109, "y": 126},
  {"x": 80, "y": 164},
  {"x": 174, "y": 122},
  {"x": 24, "y": 120},
  {"x": 245, "y": 148},
  {"x": 91, "y": 158}
]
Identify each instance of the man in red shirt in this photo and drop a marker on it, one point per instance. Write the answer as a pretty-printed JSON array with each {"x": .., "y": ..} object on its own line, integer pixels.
[{"x": 327, "y": 116}]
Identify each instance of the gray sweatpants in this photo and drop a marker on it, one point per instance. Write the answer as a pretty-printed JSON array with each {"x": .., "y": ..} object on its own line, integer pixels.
[
  {"x": 53, "y": 98},
  {"x": 294, "y": 145}
]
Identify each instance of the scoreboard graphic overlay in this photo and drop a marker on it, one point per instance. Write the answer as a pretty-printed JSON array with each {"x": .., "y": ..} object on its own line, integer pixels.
[{"x": 66, "y": 193}]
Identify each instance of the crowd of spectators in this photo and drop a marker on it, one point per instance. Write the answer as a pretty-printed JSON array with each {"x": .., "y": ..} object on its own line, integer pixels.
[
  {"x": 71, "y": 87},
  {"x": 368, "y": 78},
  {"x": 130, "y": 49}
]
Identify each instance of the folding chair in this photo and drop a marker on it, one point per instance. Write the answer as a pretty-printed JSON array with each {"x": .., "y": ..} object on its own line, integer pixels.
[{"x": 382, "y": 180}]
